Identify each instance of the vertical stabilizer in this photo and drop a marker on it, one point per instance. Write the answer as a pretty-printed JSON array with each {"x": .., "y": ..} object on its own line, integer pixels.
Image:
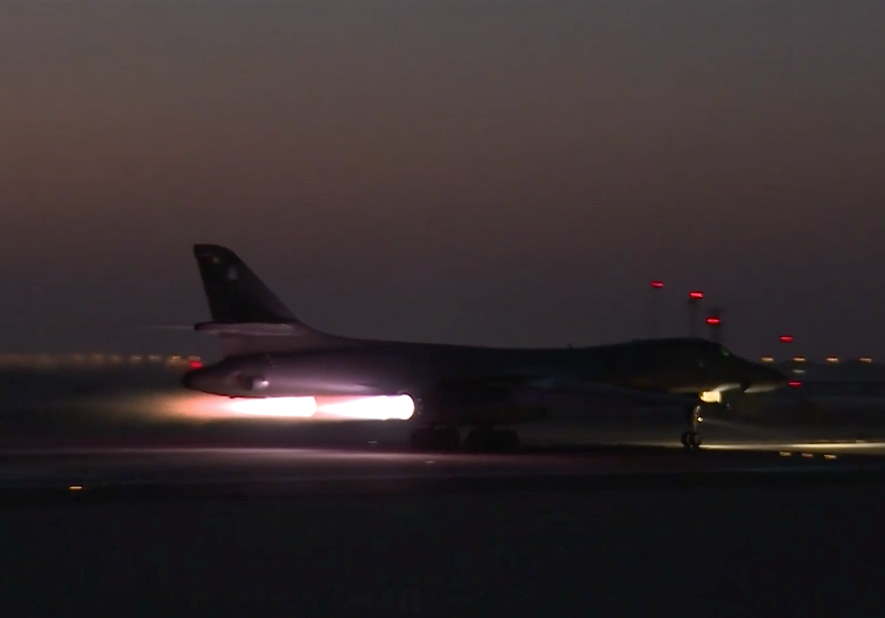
[
  {"x": 236, "y": 294},
  {"x": 246, "y": 315}
]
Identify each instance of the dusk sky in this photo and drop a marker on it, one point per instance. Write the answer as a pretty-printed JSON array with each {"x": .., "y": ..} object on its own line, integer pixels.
[{"x": 494, "y": 173}]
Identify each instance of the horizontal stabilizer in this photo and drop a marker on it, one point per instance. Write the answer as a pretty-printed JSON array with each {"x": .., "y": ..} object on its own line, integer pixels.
[
  {"x": 250, "y": 329},
  {"x": 169, "y": 327}
]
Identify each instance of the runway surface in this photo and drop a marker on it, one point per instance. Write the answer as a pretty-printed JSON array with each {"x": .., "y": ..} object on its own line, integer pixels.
[
  {"x": 72, "y": 474},
  {"x": 369, "y": 529},
  {"x": 158, "y": 445},
  {"x": 136, "y": 504},
  {"x": 314, "y": 532}
]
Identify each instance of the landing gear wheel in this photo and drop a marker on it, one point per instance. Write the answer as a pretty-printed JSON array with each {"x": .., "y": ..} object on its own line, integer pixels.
[
  {"x": 487, "y": 440},
  {"x": 691, "y": 440},
  {"x": 435, "y": 438},
  {"x": 420, "y": 439},
  {"x": 447, "y": 438},
  {"x": 476, "y": 441},
  {"x": 506, "y": 441}
]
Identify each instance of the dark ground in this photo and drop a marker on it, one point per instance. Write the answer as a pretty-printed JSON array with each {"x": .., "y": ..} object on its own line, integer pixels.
[{"x": 716, "y": 551}]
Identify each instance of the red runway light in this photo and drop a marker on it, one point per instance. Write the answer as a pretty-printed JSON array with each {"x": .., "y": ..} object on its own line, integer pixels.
[
  {"x": 794, "y": 383},
  {"x": 714, "y": 321},
  {"x": 657, "y": 284},
  {"x": 786, "y": 338},
  {"x": 696, "y": 295}
]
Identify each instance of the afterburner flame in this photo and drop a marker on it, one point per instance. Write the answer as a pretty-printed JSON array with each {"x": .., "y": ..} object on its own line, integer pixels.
[
  {"x": 200, "y": 406},
  {"x": 301, "y": 407},
  {"x": 398, "y": 407}
]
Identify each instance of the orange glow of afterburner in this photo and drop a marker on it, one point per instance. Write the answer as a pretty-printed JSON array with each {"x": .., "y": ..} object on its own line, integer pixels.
[{"x": 202, "y": 407}]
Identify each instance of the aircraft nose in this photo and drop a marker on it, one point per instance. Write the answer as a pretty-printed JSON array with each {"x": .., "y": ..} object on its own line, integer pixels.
[
  {"x": 776, "y": 376},
  {"x": 771, "y": 377},
  {"x": 764, "y": 378}
]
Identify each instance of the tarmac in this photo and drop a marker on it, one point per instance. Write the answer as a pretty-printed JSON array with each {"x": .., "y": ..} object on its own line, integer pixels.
[
  {"x": 335, "y": 532},
  {"x": 112, "y": 515}
]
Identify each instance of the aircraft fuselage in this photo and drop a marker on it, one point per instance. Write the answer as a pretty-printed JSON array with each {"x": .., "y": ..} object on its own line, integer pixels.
[{"x": 682, "y": 366}]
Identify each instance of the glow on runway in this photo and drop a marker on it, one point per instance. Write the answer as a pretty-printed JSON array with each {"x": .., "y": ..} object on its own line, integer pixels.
[
  {"x": 98, "y": 467},
  {"x": 823, "y": 447}
]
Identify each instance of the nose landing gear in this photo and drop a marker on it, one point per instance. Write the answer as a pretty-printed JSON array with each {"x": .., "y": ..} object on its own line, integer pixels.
[{"x": 691, "y": 439}]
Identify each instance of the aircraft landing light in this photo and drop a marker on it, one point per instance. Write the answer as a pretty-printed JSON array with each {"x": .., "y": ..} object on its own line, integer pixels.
[
  {"x": 75, "y": 487},
  {"x": 711, "y": 397}
]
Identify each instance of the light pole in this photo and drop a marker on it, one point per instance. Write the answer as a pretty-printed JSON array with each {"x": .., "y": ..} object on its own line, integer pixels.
[
  {"x": 694, "y": 300},
  {"x": 654, "y": 307},
  {"x": 791, "y": 360},
  {"x": 714, "y": 321},
  {"x": 788, "y": 339}
]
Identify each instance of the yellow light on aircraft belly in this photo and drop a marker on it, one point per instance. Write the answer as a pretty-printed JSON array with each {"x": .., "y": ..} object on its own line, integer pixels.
[{"x": 711, "y": 397}]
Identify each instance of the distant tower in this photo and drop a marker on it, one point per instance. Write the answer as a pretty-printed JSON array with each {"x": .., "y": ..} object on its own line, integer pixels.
[{"x": 694, "y": 301}]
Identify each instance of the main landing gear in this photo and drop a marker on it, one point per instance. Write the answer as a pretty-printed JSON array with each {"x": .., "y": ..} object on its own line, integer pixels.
[
  {"x": 480, "y": 439},
  {"x": 691, "y": 439},
  {"x": 484, "y": 440},
  {"x": 435, "y": 438}
]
